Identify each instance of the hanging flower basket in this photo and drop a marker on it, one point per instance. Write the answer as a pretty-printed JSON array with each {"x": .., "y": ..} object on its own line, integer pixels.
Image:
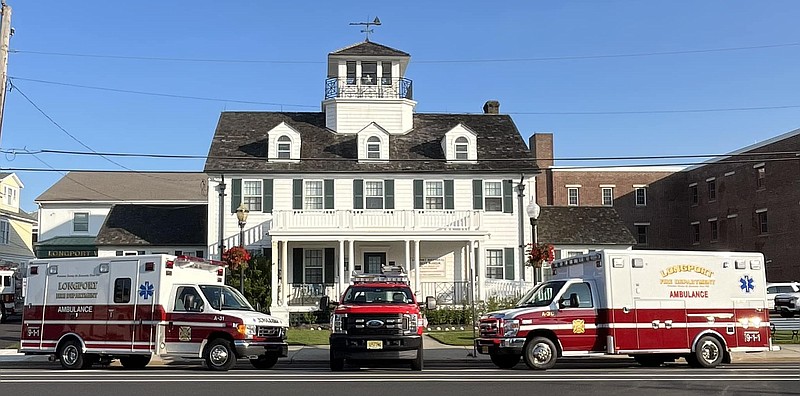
[
  {"x": 235, "y": 257},
  {"x": 538, "y": 253}
]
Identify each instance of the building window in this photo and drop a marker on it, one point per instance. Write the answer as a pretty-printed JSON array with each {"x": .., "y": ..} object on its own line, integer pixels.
[
  {"x": 714, "y": 230},
  {"x": 641, "y": 196},
  {"x": 313, "y": 197},
  {"x": 608, "y": 196},
  {"x": 493, "y": 196},
  {"x": 373, "y": 194},
  {"x": 434, "y": 195},
  {"x": 386, "y": 73},
  {"x": 641, "y": 234},
  {"x": 494, "y": 263},
  {"x": 374, "y": 147},
  {"x": 761, "y": 178},
  {"x": 462, "y": 148},
  {"x": 312, "y": 265},
  {"x": 693, "y": 193},
  {"x": 5, "y": 232},
  {"x": 712, "y": 190},
  {"x": 10, "y": 196},
  {"x": 351, "y": 73},
  {"x": 696, "y": 233},
  {"x": 284, "y": 147},
  {"x": 251, "y": 195},
  {"x": 369, "y": 73},
  {"x": 762, "y": 222},
  {"x": 80, "y": 222},
  {"x": 572, "y": 196}
]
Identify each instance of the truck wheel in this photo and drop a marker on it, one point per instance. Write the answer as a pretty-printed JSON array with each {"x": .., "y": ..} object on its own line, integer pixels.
[
  {"x": 649, "y": 360},
  {"x": 71, "y": 356},
  {"x": 337, "y": 363},
  {"x": 134, "y": 362},
  {"x": 708, "y": 354},
  {"x": 266, "y": 361},
  {"x": 787, "y": 314},
  {"x": 219, "y": 355},
  {"x": 505, "y": 361},
  {"x": 418, "y": 363},
  {"x": 540, "y": 353}
]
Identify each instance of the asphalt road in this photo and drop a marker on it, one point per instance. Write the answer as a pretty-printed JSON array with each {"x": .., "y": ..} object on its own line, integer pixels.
[
  {"x": 9, "y": 332},
  {"x": 772, "y": 379}
]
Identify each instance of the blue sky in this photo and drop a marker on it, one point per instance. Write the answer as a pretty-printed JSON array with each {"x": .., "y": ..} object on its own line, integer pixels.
[{"x": 305, "y": 32}]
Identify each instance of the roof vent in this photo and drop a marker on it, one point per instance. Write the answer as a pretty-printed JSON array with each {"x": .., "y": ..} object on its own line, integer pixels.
[{"x": 491, "y": 107}]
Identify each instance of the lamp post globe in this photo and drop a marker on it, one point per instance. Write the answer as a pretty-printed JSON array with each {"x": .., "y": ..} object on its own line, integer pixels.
[
  {"x": 533, "y": 210},
  {"x": 241, "y": 214}
]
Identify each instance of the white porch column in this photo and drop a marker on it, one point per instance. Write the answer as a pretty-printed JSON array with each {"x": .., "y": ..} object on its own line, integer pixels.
[
  {"x": 341, "y": 269},
  {"x": 471, "y": 271},
  {"x": 351, "y": 261},
  {"x": 418, "y": 289},
  {"x": 285, "y": 292},
  {"x": 273, "y": 291},
  {"x": 407, "y": 264},
  {"x": 479, "y": 268}
]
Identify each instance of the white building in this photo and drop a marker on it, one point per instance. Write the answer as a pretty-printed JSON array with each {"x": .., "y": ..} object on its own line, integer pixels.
[
  {"x": 16, "y": 225},
  {"x": 368, "y": 182}
]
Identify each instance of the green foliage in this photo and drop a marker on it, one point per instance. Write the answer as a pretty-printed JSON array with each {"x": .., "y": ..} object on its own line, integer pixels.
[
  {"x": 297, "y": 319},
  {"x": 463, "y": 314},
  {"x": 257, "y": 281}
]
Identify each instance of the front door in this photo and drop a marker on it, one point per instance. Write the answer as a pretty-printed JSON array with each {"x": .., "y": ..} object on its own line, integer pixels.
[
  {"x": 373, "y": 262},
  {"x": 124, "y": 276},
  {"x": 577, "y": 319}
]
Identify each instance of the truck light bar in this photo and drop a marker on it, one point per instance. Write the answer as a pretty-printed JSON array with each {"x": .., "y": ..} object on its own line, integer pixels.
[
  {"x": 389, "y": 274},
  {"x": 575, "y": 260}
]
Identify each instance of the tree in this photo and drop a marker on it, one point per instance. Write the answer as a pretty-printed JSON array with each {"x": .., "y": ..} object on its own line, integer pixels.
[{"x": 257, "y": 283}]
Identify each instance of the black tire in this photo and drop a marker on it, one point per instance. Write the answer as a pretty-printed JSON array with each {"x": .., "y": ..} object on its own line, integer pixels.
[
  {"x": 419, "y": 362},
  {"x": 787, "y": 314},
  {"x": 505, "y": 361},
  {"x": 266, "y": 361},
  {"x": 540, "y": 353},
  {"x": 71, "y": 356},
  {"x": 134, "y": 362},
  {"x": 337, "y": 363},
  {"x": 219, "y": 355},
  {"x": 708, "y": 353},
  {"x": 649, "y": 360}
]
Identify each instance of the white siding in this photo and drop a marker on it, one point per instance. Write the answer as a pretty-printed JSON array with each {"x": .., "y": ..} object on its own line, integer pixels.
[
  {"x": 346, "y": 115},
  {"x": 56, "y": 219}
]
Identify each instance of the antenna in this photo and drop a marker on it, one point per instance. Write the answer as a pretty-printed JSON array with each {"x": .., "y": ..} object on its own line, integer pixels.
[{"x": 367, "y": 30}]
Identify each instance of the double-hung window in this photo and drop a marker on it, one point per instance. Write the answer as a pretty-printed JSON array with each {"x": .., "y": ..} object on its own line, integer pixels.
[
  {"x": 462, "y": 148},
  {"x": 493, "y": 196},
  {"x": 80, "y": 222},
  {"x": 494, "y": 264},
  {"x": 374, "y": 147},
  {"x": 313, "y": 195},
  {"x": 312, "y": 265},
  {"x": 5, "y": 232},
  {"x": 373, "y": 194},
  {"x": 641, "y": 196},
  {"x": 284, "y": 147},
  {"x": 572, "y": 196},
  {"x": 251, "y": 195},
  {"x": 434, "y": 195},
  {"x": 608, "y": 196}
]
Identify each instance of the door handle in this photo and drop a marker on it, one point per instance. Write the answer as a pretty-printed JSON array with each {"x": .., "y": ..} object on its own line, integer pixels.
[
  {"x": 656, "y": 324},
  {"x": 668, "y": 324}
]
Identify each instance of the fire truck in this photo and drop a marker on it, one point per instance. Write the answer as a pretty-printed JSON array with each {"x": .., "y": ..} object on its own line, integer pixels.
[
  {"x": 94, "y": 310},
  {"x": 655, "y": 306},
  {"x": 9, "y": 289},
  {"x": 378, "y": 318}
]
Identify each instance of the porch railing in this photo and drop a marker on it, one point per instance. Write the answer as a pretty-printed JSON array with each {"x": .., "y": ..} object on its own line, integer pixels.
[
  {"x": 305, "y": 294},
  {"x": 501, "y": 288},
  {"x": 378, "y": 219},
  {"x": 446, "y": 293}
]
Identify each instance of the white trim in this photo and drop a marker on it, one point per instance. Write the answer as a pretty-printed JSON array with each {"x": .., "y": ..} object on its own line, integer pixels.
[
  {"x": 712, "y": 219},
  {"x": 694, "y": 222},
  {"x": 572, "y": 185},
  {"x": 692, "y": 185},
  {"x": 761, "y": 210},
  {"x": 640, "y": 185},
  {"x": 608, "y": 185},
  {"x": 758, "y": 165},
  {"x": 731, "y": 173},
  {"x": 710, "y": 179},
  {"x": 642, "y": 224},
  {"x": 733, "y": 216}
]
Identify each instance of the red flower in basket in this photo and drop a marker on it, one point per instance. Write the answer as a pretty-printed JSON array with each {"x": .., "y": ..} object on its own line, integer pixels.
[
  {"x": 538, "y": 253},
  {"x": 235, "y": 257}
]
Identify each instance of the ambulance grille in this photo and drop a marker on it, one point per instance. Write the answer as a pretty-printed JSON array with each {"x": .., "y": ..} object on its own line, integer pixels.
[
  {"x": 489, "y": 327},
  {"x": 269, "y": 331}
]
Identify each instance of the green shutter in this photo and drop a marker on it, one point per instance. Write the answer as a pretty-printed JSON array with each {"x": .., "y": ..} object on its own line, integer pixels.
[
  {"x": 328, "y": 191},
  {"x": 449, "y": 201},
  {"x": 329, "y": 273},
  {"x": 358, "y": 194},
  {"x": 297, "y": 265},
  {"x": 388, "y": 194},
  {"x": 477, "y": 194},
  {"x": 419, "y": 199},
  {"x": 236, "y": 194},
  {"x": 508, "y": 196},
  {"x": 266, "y": 202},
  {"x": 508, "y": 257},
  {"x": 297, "y": 194}
]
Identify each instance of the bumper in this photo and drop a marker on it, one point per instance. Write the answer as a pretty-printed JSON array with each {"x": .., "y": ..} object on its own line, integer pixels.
[
  {"x": 250, "y": 349},
  {"x": 787, "y": 307},
  {"x": 355, "y": 347},
  {"x": 500, "y": 346}
]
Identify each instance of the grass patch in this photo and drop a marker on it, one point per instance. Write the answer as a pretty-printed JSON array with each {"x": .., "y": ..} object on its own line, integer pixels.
[
  {"x": 785, "y": 337},
  {"x": 13, "y": 346},
  {"x": 307, "y": 337},
  {"x": 458, "y": 338}
]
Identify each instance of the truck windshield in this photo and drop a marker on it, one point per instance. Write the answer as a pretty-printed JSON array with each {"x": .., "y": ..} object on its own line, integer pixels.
[
  {"x": 378, "y": 295},
  {"x": 225, "y": 298},
  {"x": 541, "y": 295}
]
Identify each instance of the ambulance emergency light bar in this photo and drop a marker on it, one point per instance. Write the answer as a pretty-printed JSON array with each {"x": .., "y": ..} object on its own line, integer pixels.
[
  {"x": 389, "y": 274},
  {"x": 561, "y": 263}
]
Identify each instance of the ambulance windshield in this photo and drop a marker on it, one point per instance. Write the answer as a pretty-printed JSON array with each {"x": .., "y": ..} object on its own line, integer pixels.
[
  {"x": 541, "y": 295},
  {"x": 225, "y": 298}
]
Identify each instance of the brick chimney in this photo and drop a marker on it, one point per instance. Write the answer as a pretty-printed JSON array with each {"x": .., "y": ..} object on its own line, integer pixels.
[
  {"x": 491, "y": 107},
  {"x": 541, "y": 145}
]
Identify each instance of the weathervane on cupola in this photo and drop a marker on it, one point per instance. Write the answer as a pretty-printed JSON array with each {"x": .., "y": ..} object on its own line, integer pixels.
[{"x": 367, "y": 30}]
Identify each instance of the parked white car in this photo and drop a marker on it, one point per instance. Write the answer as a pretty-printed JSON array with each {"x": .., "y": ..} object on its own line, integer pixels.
[{"x": 773, "y": 289}]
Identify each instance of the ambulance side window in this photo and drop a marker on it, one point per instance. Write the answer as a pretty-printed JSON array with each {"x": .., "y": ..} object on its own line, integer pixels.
[
  {"x": 122, "y": 290},
  {"x": 6, "y": 281},
  {"x": 582, "y": 291},
  {"x": 188, "y": 300}
]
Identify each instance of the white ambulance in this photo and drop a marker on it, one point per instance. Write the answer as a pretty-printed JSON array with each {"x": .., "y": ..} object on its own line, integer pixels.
[
  {"x": 656, "y": 306},
  {"x": 94, "y": 310}
]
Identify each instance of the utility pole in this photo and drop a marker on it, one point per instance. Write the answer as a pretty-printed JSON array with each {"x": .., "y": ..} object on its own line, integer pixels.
[{"x": 5, "y": 38}]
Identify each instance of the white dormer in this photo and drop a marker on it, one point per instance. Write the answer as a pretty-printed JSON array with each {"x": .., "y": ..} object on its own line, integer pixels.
[
  {"x": 460, "y": 144},
  {"x": 373, "y": 143},
  {"x": 283, "y": 143}
]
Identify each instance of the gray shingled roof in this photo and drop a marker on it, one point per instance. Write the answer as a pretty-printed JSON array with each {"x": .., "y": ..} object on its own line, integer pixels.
[
  {"x": 129, "y": 186},
  {"x": 582, "y": 225},
  {"x": 22, "y": 214},
  {"x": 141, "y": 225},
  {"x": 368, "y": 48},
  {"x": 244, "y": 134}
]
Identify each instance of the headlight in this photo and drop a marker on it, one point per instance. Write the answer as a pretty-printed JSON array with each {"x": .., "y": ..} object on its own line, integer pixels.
[
  {"x": 410, "y": 323},
  {"x": 337, "y": 323},
  {"x": 510, "y": 328},
  {"x": 246, "y": 330}
]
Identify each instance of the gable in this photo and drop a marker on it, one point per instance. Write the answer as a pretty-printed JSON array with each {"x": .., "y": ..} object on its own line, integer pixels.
[{"x": 277, "y": 140}]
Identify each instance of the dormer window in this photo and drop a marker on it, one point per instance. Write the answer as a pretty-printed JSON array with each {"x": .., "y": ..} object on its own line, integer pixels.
[
  {"x": 369, "y": 73},
  {"x": 374, "y": 148},
  {"x": 462, "y": 148},
  {"x": 284, "y": 147}
]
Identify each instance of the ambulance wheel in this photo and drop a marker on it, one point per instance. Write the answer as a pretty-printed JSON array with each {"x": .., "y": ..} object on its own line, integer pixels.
[
  {"x": 707, "y": 354},
  {"x": 337, "y": 364},
  {"x": 134, "y": 362},
  {"x": 219, "y": 355},
  {"x": 266, "y": 361},
  {"x": 505, "y": 361},
  {"x": 649, "y": 360},
  {"x": 540, "y": 353},
  {"x": 418, "y": 362},
  {"x": 71, "y": 356}
]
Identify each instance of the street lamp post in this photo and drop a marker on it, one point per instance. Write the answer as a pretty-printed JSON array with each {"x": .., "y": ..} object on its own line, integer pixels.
[
  {"x": 241, "y": 214},
  {"x": 533, "y": 213}
]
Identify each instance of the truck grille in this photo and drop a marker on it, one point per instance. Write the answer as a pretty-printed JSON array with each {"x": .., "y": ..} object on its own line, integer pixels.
[
  {"x": 270, "y": 331},
  {"x": 375, "y": 324},
  {"x": 489, "y": 327}
]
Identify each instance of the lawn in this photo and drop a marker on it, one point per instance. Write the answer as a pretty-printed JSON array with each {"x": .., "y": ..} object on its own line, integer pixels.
[
  {"x": 13, "y": 346},
  {"x": 307, "y": 337},
  {"x": 460, "y": 338},
  {"x": 784, "y": 337}
]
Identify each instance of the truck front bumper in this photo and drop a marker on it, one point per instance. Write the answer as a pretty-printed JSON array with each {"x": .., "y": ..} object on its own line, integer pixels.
[
  {"x": 252, "y": 349},
  {"x": 500, "y": 346},
  {"x": 392, "y": 347}
]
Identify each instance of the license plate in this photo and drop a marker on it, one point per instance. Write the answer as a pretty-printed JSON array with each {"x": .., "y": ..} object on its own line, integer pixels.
[{"x": 374, "y": 344}]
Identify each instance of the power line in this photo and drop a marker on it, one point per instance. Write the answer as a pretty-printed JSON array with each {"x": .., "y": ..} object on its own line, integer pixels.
[{"x": 422, "y": 61}]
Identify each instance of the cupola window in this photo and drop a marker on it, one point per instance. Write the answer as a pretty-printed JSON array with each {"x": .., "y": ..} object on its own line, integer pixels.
[{"x": 369, "y": 73}]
